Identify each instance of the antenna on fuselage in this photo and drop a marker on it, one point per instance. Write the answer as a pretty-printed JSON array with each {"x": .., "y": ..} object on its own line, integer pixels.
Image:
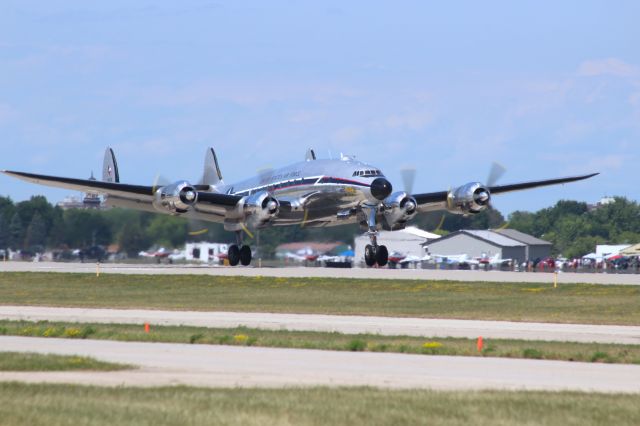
[{"x": 311, "y": 155}]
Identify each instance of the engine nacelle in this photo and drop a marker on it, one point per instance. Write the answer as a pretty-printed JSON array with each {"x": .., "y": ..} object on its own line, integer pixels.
[
  {"x": 176, "y": 198},
  {"x": 260, "y": 207},
  {"x": 471, "y": 198},
  {"x": 399, "y": 207}
]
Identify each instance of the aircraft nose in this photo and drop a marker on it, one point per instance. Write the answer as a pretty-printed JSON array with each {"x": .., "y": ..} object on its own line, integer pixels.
[{"x": 381, "y": 188}]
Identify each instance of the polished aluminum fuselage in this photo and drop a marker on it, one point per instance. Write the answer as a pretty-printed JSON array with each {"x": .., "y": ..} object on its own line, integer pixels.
[{"x": 320, "y": 192}]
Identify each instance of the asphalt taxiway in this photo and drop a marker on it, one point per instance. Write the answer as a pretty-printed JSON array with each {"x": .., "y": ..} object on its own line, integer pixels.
[
  {"x": 301, "y": 272},
  {"x": 348, "y": 324},
  {"x": 232, "y": 366}
]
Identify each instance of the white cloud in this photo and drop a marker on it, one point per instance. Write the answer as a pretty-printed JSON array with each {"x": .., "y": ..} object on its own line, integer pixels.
[
  {"x": 416, "y": 120},
  {"x": 609, "y": 66},
  {"x": 347, "y": 134},
  {"x": 599, "y": 163},
  {"x": 306, "y": 116},
  {"x": 88, "y": 55}
]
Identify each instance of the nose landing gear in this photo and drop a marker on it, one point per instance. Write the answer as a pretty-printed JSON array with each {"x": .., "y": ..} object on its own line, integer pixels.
[{"x": 373, "y": 253}]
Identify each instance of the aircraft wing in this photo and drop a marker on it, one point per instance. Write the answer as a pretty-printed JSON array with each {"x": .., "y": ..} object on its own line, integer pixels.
[
  {"x": 138, "y": 193},
  {"x": 438, "y": 200}
]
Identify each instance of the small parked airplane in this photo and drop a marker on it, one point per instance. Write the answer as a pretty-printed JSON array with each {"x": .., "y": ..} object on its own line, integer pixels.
[{"x": 313, "y": 192}]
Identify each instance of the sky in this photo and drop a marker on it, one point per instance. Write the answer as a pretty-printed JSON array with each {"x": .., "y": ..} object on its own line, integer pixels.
[{"x": 545, "y": 88}]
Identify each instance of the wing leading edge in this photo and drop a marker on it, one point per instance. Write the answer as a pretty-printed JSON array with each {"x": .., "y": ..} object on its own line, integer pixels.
[
  {"x": 439, "y": 199},
  {"x": 120, "y": 190}
]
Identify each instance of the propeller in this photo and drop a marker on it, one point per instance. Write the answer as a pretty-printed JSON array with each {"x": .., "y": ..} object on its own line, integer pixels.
[
  {"x": 495, "y": 173},
  {"x": 408, "y": 178},
  {"x": 158, "y": 182}
]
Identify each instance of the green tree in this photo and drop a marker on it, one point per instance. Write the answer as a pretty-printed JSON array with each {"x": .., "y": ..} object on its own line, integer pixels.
[
  {"x": 4, "y": 232},
  {"x": 57, "y": 231},
  {"x": 16, "y": 232},
  {"x": 168, "y": 231},
  {"x": 36, "y": 235},
  {"x": 132, "y": 239},
  {"x": 85, "y": 228}
]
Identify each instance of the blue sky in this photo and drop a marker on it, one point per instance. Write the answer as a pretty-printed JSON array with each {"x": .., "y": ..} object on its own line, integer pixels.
[{"x": 547, "y": 89}]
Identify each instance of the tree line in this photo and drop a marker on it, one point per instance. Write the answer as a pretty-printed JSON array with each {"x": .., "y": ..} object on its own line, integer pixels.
[{"x": 35, "y": 225}]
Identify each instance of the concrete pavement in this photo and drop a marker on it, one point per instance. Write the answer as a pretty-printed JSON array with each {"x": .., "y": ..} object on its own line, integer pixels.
[
  {"x": 349, "y": 324},
  {"x": 301, "y": 272}
]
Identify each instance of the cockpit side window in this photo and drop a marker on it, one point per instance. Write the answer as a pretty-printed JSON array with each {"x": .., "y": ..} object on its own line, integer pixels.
[{"x": 368, "y": 173}]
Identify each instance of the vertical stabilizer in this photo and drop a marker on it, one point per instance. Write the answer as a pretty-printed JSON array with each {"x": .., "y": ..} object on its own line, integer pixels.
[
  {"x": 212, "y": 174},
  {"x": 110, "y": 167}
]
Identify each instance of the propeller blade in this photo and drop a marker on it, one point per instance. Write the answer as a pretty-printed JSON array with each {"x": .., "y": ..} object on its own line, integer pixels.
[
  {"x": 408, "y": 178},
  {"x": 159, "y": 181},
  {"x": 495, "y": 173}
]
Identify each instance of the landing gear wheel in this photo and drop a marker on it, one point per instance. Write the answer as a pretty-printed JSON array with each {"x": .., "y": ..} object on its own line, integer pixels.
[
  {"x": 370, "y": 255},
  {"x": 245, "y": 255},
  {"x": 233, "y": 255},
  {"x": 382, "y": 255}
]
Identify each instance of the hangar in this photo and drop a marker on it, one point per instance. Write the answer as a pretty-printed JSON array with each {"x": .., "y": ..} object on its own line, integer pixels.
[
  {"x": 535, "y": 247},
  {"x": 409, "y": 241},
  {"x": 507, "y": 244}
]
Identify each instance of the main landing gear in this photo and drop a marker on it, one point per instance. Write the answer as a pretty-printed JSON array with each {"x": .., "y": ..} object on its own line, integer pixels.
[
  {"x": 239, "y": 253},
  {"x": 373, "y": 253}
]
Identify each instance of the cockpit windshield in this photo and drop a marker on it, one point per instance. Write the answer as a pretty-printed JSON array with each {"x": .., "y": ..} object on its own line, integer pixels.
[{"x": 368, "y": 173}]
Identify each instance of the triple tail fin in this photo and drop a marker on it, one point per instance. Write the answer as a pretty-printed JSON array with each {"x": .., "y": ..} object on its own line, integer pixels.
[
  {"x": 110, "y": 167},
  {"x": 212, "y": 174}
]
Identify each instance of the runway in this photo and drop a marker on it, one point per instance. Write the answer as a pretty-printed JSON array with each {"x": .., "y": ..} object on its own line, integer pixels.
[
  {"x": 301, "y": 272},
  {"x": 232, "y": 366},
  {"x": 348, "y": 324}
]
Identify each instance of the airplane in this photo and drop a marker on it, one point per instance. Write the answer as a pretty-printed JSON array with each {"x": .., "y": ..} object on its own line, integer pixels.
[
  {"x": 311, "y": 193},
  {"x": 455, "y": 258}
]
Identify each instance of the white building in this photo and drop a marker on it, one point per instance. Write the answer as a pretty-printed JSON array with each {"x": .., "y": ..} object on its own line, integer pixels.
[
  {"x": 407, "y": 242},
  {"x": 606, "y": 250},
  {"x": 205, "y": 252}
]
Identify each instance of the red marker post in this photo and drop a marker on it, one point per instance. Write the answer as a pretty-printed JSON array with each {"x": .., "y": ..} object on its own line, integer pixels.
[
  {"x": 146, "y": 327},
  {"x": 480, "y": 344}
]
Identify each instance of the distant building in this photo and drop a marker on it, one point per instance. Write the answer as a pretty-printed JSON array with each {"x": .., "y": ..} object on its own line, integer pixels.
[
  {"x": 205, "y": 252},
  {"x": 535, "y": 248},
  {"x": 605, "y": 250},
  {"x": 603, "y": 202},
  {"x": 507, "y": 244},
  {"x": 89, "y": 200},
  {"x": 478, "y": 244}
]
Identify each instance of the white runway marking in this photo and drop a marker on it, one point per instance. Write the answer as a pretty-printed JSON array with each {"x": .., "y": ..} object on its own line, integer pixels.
[
  {"x": 230, "y": 366},
  {"x": 300, "y": 272},
  {"x": 349, "y": 324}
]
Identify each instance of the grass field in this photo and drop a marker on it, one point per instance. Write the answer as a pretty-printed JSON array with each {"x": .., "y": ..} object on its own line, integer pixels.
[
  {"x": 242, "y": 336},
  {"x": 78, "y": 405},
  {"x": 18, "y": 361},
  {"x": 575, "y": 303}
]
